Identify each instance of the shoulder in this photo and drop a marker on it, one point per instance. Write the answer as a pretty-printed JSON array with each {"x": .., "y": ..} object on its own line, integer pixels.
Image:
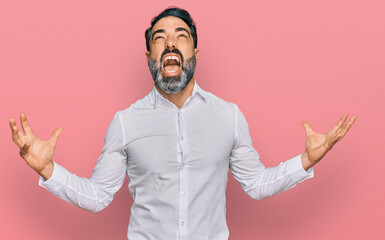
[
  {"x": 219, "y": 104},
  {"x": 135, "y": 108}
]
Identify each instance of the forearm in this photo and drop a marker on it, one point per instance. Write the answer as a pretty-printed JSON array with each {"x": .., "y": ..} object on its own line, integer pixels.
[
  {"x": 261, "y": 184},
  {"x": 78, "y": 191}
]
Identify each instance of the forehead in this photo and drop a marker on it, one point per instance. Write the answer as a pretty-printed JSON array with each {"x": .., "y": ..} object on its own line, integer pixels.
[{"x": 170, "y": 23}]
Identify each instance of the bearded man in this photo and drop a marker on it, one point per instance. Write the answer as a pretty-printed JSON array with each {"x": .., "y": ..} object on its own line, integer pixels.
[{"x": 176, "y": 146}]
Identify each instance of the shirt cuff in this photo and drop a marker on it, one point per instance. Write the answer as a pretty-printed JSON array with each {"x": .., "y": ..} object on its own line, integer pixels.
[
  {"x": 59, "y": 177},
  {"x": 296, "y": 170}
]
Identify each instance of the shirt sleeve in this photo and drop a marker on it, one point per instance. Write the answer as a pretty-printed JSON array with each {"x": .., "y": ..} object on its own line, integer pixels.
[
  {"x": 94, "y": 193},
  {"x": 256, "y": 180}
]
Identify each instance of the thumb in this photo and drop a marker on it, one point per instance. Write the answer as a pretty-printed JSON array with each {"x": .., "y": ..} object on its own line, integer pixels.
[
  {"x": 307, "y": 128},
  {"x": 56, "y": 134},
  {"x": 24, "y": 150}
]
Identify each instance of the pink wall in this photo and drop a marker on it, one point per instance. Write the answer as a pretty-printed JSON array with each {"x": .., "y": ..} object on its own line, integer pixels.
[{"x": 75, "y": 63}]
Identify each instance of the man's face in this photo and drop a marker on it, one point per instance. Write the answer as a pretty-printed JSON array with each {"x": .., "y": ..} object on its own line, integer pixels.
[{"x": 172, "y": 55}]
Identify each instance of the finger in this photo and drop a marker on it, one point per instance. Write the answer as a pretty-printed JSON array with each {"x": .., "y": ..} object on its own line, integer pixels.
[
  {"x": 342, "y": 120},
  {"x": 347, "y": 126},
  {"x": 16, "y": 134},
  {"x": 24, "y": 150},
  {"x": 342, "y": 131},
  {"x": 335, "y": 138},
  {"x": 307, "y": 128},
  {"x": 24, "y": 124},
  {"x": 339, "y": 124},
  {"x": 55, "y": 135}
]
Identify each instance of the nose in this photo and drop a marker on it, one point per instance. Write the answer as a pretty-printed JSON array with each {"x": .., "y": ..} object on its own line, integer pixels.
[{"x": 171, "y": 43}]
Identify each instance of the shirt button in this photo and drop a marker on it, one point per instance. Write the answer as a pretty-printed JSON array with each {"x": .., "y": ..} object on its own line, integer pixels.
[
  {"x": 183, "y": 193},
  {"x": 181, "y": 137},
  {"x": 182, "y": 223}
]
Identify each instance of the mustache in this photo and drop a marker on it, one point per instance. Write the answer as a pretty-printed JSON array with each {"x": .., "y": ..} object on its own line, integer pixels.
[{"x": 172, "y": 51}]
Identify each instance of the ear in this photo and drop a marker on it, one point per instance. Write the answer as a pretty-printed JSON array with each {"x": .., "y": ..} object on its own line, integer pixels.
[
  {"x": 196, "y": 53},
  {"x": 147, "y": 54}
]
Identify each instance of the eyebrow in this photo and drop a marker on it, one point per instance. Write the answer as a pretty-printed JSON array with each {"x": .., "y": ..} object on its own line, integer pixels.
[
  {"x": 182, "y": 29},
  {"x": 157, "y": 31},
  {"x": 179, "y": 29}
]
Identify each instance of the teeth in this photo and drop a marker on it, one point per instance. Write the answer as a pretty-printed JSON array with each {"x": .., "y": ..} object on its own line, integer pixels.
[{"x": 172, "y": 58}]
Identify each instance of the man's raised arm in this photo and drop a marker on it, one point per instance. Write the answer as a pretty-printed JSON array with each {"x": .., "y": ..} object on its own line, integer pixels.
[
  {"x": 260, "y": 182},
  {"x": 92, "y": 194}
]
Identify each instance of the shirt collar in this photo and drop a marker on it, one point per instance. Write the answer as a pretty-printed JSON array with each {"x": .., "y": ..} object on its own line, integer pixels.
[{"x": 155, "y": 94}]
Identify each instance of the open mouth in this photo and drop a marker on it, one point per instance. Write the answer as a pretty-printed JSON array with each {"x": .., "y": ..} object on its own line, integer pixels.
[{"x": 171, "y": 63}]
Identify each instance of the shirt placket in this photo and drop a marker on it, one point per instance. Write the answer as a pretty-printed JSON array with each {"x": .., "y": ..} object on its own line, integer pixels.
[{"x": 183, "y": 177}]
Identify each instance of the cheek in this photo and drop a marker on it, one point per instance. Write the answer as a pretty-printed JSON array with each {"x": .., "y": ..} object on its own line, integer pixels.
[
  {"x": 155, "y": 57},
  {"x": 188, "y": 50},
  {"x": 188, "y": 53},
  {"x": 156, "y": 52}
]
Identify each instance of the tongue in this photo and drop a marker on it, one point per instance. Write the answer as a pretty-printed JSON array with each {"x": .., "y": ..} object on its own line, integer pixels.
[{"x": 171, "y": 68}]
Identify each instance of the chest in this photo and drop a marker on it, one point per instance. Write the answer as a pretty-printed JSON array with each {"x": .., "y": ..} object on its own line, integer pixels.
[{"x": 160, "y": 140}]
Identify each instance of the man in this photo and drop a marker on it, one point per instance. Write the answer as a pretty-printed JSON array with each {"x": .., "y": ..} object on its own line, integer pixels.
[{"x": 176, "y": 146}]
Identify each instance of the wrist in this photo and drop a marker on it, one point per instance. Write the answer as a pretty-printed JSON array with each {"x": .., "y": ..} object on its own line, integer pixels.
[
  {"x": 47, "y": 171},
  {"x": 306, "y": 163}
]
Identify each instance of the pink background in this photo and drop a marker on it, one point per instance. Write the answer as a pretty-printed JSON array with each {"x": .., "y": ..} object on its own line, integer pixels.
[{"x": 75, "y": 63}]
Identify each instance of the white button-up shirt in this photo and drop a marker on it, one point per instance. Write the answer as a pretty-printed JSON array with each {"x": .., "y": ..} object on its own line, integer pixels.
[{"x": 177, "y": 162}]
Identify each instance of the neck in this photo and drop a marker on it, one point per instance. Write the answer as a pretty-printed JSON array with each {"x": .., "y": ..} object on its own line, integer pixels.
[{"x": 179, "y": 98}]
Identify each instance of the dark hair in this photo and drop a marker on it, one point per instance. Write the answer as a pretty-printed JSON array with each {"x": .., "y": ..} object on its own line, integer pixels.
[{"x": 175, "y": 12}]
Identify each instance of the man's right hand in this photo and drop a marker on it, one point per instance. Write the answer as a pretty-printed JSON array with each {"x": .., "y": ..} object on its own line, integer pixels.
[{"x": 36, "y": 153}]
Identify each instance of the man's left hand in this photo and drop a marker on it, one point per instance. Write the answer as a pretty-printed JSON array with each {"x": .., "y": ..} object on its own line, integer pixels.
[{"x": 317, "y": 145}]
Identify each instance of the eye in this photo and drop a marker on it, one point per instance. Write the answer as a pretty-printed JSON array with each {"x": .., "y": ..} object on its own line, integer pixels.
[
  {"x": 182, "y": 35},
  {"x": 157, "y": 37}
]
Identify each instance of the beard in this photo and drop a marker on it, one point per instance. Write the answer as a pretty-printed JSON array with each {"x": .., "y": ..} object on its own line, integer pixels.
[{"x": 173, "y": 84}]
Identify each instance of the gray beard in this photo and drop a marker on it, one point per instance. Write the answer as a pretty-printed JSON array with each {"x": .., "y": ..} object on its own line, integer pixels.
[{"x": 173, "y": 84}]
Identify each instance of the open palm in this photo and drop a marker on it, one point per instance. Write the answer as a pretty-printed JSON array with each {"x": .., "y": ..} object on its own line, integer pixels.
[
  {"x": 36, "y": 152},
  {"x": 317, "y": 145}
]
